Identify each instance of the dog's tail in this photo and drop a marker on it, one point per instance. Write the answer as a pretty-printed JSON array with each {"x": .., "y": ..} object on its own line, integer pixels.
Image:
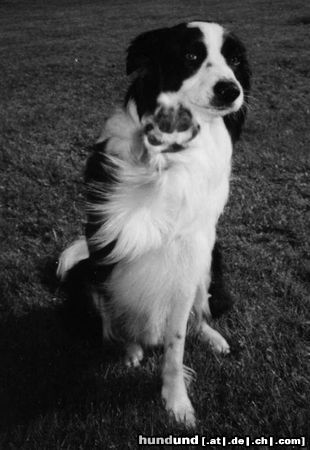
[{"x": 71, "y": 256}]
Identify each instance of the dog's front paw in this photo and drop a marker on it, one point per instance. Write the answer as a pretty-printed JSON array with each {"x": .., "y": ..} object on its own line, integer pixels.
[
  {"x": 179, "y": 407},
  {"x": 171, "y": 129}
]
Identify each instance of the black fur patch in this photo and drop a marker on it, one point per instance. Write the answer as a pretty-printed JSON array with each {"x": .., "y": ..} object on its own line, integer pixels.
[
  {"x": 235, "y": 55},
  {"x": 100, "y": 172},
  {"x": 220, "y": 300},
  {"x": 163, "y": 58},
  {"x": 79, "y": 312}
]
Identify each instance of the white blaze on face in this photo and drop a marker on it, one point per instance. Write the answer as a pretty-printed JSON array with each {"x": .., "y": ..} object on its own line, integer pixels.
[{"x": 198, "y": 89}]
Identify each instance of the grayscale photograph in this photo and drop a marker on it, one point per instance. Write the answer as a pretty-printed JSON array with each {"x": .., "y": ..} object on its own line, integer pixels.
[{"x": 154, "y": 223}]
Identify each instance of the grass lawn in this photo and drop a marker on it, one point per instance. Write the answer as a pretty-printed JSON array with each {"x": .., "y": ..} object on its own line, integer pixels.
[{"x": 62, "y": 71}]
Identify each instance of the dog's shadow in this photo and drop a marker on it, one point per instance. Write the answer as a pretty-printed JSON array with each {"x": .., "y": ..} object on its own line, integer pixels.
[{"x": 53, "y": 358}]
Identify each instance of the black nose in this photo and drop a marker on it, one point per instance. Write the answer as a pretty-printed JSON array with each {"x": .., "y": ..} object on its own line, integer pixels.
[{"x": 226, "y": 92}]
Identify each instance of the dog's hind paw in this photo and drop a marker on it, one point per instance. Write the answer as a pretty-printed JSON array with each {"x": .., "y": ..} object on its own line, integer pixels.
[
  {"x": 134, "y": 355},
  {"x": 170, "y": 130},
  {"x": 214, "y": 339}
]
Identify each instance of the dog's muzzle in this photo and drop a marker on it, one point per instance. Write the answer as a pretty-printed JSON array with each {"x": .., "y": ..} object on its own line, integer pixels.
[{"x": 225, "y": 93}]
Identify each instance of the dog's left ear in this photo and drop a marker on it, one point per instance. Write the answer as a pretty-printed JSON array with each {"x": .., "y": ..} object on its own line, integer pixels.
[{"x": 142, "y": 52}]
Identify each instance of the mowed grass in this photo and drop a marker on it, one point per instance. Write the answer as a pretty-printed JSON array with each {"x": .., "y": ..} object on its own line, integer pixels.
[{"x": 62, "y": 71}]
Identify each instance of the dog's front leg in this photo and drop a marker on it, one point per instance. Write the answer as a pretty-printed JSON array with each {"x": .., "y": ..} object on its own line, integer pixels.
[{"x": 174, "y": 391}]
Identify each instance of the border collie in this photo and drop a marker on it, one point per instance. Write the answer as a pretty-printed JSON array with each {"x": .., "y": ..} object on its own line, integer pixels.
[{"x": 157, "y": 182}]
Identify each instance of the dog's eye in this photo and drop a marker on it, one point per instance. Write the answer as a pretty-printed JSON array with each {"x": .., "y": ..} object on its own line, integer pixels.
[
  {"x": 235, "y": 61},
  {"x": 191, "y": 57}
]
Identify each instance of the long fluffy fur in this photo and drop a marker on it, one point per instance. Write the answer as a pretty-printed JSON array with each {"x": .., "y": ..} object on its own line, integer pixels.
[{"x": 153, "y": 201}]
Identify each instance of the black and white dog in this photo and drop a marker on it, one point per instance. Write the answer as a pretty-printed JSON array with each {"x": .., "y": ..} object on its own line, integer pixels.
[{"x": 157, "y": 183}]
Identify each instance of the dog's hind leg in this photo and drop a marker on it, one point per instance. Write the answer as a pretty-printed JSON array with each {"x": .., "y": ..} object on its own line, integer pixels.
[
  {"x": 207, "y": 334},
  {"x": 219, "y": 300}
]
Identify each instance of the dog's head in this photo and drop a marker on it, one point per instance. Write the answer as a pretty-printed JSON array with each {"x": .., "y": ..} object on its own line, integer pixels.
[{"x": 201, "y": 62}]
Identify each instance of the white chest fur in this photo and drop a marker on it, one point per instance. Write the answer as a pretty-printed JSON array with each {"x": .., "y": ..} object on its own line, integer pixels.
[
  {"x": 164, "y": 224},
  {"x": 149, "y": 208}
]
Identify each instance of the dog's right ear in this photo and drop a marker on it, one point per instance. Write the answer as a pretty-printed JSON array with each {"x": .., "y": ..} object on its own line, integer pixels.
[{"x": 144, "y": 49}]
